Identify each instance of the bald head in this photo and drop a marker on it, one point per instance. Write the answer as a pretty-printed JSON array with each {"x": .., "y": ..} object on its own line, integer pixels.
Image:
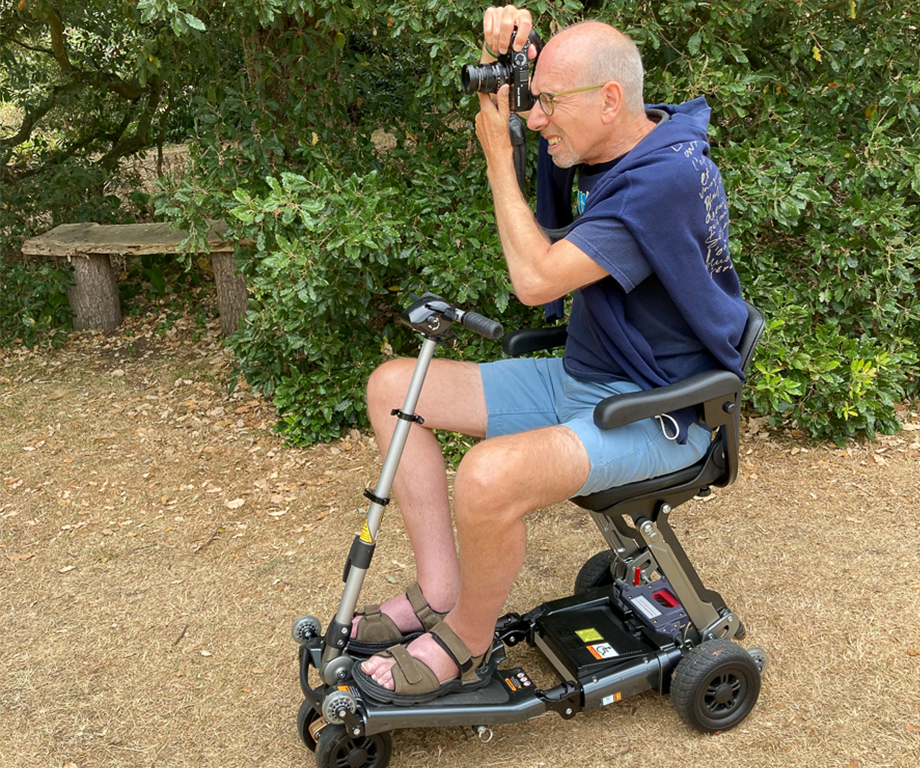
[{"x": 603, "y": 53}]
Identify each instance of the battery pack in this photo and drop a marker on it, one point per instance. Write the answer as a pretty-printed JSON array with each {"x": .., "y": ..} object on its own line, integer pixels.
[{"x": 583, "y": 642}]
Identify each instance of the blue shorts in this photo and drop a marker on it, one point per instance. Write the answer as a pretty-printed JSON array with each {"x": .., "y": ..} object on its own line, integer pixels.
[{"x": 524, "y": 394}]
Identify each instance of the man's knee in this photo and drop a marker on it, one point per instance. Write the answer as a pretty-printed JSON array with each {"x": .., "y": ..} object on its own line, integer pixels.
[
  {"x": 485, "y": 481},
  {"x": 387, "y": 385}
]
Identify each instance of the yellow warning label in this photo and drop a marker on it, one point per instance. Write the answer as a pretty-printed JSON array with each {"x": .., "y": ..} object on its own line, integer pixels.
[
  {"x": 366, "y": 534},
  {"x": 589, "y": 635}
]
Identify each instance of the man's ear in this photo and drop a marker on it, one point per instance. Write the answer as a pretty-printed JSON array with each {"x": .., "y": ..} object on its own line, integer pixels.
[{"x": 612, "y": 94}]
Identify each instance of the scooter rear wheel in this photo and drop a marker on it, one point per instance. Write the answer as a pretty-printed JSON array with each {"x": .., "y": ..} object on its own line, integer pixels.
[
  {"x": 337, "y": 749},
  {"x": 715, "y": 686},
  {"x": 596, "y": 572}
]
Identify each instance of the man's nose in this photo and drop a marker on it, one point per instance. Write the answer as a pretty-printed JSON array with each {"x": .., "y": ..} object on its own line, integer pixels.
[{"x": 537, "y": 118}]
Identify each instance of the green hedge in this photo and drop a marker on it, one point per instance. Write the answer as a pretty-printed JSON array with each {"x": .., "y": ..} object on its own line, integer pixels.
[{"x": 337, "y": 144}]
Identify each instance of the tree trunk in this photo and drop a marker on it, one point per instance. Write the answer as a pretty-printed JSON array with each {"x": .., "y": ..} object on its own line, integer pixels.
[
  {"x": 94, "y": 297},
  {"x": 232, "y": 297}
]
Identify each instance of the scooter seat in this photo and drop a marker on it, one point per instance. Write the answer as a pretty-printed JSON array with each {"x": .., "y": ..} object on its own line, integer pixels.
[{"x": 707, "y": 471}]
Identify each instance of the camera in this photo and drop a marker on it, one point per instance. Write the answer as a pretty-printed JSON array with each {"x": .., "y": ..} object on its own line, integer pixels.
[{"x": 512, "y": 67}]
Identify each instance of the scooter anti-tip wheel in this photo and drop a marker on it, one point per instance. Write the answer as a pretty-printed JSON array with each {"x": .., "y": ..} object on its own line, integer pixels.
[
  {"x": 715, "y": 686},
  {"x": 335, "y": 703},
  {"x": 304, "y": 628},
  {"x": 760, "y": 658}
]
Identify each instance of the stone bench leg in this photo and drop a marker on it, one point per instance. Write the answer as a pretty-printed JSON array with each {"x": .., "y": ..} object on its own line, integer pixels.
[{"x": 94, "y": 297}]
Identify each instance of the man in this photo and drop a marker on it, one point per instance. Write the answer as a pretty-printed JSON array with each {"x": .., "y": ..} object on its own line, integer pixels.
[{"x": 656, "y": 299}]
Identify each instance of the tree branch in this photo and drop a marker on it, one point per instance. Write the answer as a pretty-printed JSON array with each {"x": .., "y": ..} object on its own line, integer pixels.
[
  {"x": 58, "y": 47},
  {"x": 15, "y": 41}
]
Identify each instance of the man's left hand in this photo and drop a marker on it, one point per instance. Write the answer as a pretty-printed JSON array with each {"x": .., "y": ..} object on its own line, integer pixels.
[{"x": 492, "y": 126}]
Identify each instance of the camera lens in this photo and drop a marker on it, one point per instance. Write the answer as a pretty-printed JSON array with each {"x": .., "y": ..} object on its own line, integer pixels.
[{"x": 483, "y": 78}]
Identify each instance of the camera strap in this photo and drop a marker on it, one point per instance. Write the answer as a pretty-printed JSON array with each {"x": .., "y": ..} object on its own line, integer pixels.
[{"x": 519, "y": 149}]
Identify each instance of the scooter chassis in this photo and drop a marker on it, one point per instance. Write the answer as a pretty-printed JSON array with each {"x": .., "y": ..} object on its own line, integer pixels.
[{"x": 511, "y": 696}]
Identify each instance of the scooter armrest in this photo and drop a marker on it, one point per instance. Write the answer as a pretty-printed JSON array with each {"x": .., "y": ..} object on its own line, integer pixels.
[
  {"x": 710, "y": 388},
  {"x": 525, "y": 341}
]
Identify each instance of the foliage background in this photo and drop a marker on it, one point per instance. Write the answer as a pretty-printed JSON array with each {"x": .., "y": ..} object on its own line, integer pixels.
[{"x": 335, "y": 141}]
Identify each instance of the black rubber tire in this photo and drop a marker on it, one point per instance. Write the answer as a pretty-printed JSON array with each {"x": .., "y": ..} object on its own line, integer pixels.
[
  {"x": 339, "y": 749},
  {"x": 305, "y": 718},
  {"x": 595, "y": 572},
  {"x": 715, "y": 686}
]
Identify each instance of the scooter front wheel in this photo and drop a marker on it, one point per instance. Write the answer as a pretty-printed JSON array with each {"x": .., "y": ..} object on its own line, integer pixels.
[
  {"x": 305, "y": 718},
  {"x": 337, "y": 747}
]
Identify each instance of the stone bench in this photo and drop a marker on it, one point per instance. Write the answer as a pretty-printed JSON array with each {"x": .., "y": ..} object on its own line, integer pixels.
[{"x": 89, "y": 247}]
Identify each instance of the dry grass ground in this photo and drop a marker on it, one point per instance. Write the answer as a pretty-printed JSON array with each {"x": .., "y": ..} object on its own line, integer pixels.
[{"x": 157, "y": 540}]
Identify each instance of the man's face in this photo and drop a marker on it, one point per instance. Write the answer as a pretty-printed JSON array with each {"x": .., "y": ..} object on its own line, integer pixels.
[{"x": 571, "y": 129}]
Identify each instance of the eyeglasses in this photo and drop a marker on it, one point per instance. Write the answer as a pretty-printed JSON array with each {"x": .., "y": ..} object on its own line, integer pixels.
[{"x": 548, "y": 100}]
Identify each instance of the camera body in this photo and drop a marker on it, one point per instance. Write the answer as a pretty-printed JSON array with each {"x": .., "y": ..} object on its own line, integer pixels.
[{"x": 512, "y": 68}]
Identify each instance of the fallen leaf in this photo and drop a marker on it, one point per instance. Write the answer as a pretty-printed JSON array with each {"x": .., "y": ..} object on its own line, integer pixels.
[
  {"x": 21, "y": 557},
  {"x": 68, "y": 568},
  {"x": 206, "y": 653},
  {"x": 913, "y": 651},
  {"x": 235, "y": 504}
]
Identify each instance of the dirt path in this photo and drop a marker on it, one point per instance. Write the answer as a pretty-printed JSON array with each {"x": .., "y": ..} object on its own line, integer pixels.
[{"x": 157, "y": 540}]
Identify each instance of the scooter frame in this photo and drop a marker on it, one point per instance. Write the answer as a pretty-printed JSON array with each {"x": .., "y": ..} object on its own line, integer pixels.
[{"x": 641, "y": 616}]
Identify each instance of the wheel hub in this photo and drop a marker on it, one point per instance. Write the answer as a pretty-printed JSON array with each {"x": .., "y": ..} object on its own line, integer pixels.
[
  {"x": 724, "y": 694},
  {"x": 357, "y": 758}
]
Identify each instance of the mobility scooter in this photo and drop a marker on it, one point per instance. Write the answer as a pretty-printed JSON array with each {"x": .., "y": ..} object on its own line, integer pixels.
[{"x": 640, "y": 618}]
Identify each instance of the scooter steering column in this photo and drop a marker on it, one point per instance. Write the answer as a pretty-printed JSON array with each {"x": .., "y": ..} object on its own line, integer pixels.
[{"x": 336, "y": 665}]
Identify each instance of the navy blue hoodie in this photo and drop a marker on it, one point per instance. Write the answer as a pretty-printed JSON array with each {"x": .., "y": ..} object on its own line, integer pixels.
[{"x": 668, "y": 195}]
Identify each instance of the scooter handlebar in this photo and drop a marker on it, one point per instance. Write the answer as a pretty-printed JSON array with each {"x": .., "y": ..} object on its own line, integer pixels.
[{"x": 489, "y": 329}]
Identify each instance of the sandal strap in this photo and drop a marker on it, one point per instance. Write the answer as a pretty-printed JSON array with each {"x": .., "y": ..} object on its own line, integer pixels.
[
  {"x": 454, "y": 647},
  {"x": 408, "y": 665},
  {"x": 425, "y": 613}
]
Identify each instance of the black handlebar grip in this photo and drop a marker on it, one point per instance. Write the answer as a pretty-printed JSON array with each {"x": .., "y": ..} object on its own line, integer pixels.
[{"x": 485, "y": 327}]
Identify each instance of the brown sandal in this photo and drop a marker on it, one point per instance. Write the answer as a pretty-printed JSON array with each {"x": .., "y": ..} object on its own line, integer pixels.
[
  {"x": 416, "y": 683},
  {"x": 377, "y": 631}
]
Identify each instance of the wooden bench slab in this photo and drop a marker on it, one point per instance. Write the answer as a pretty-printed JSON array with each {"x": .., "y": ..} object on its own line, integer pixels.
[{"x": 90, "y": 246}]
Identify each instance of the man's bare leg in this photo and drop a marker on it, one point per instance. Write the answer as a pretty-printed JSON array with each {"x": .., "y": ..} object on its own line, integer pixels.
[
  {"x": 451, "y": 399},
  {"x": 499, "y": 481}
]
